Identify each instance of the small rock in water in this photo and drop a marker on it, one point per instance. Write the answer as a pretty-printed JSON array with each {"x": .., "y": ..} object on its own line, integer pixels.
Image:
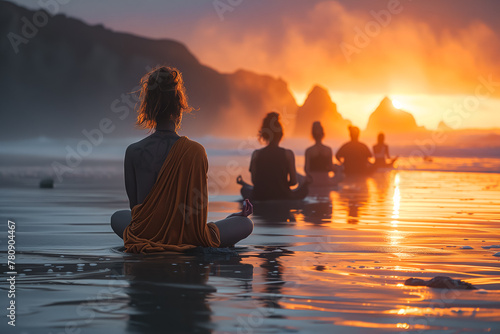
[
  {"x": 47, "y": 183},
  {"x": 489, "y": 247},
  {"x": 320, "y": 268},
  {"x": 466, "y": 247},
  {"x": 440, "y": 282},
  {"x": 415, "y": 282}
]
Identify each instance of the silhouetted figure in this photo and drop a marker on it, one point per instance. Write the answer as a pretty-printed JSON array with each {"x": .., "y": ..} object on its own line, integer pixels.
[
  {"x": 273, "y": 167},
  {"x": 381, "y": 153},
  {"x": 354, "y": 155},
  {"x": 319, "y": 161},
  {"x": 166, "y": 179}
]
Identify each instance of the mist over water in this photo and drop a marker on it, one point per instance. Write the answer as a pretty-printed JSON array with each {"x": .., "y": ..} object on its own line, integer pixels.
[{"x": 29, "y": 160}]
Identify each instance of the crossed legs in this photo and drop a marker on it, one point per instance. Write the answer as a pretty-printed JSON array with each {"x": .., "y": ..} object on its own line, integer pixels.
[{"x": 232, "y": 229}]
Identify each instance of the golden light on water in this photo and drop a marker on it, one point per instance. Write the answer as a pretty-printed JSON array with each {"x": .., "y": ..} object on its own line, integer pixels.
[{"x": 396, "y": 200}]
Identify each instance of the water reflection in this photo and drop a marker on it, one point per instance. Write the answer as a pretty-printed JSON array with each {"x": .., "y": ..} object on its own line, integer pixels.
[
  {"x": 277, "y": 213},
  {"x": 171, "y": 293},
  {"x": 273, "y": 276},
  {"x": 318, "y": 213},
  {"x": 353, "y": 197},
  {"x": 396, "y": 200},
  {"x": 394, "y": 235},
  {"x": 382, "y": 182}
]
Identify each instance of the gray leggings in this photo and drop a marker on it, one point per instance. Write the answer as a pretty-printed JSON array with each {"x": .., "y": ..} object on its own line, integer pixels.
[{"x": 232, "y": 229}]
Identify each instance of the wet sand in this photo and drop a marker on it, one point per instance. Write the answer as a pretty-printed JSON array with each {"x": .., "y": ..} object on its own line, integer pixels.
[{"x": 335, "y": 262}]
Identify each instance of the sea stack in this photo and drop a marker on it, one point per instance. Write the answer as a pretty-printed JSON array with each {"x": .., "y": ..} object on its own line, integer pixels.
[
  {"x": 320, "y": 107},
  {"x": 389, "y": 119}
]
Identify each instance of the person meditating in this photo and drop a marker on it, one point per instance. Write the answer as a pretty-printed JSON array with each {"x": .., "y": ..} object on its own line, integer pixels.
[
  {"x": 319, "y": 161},
  {"x": 381, "y": 152},
  {"x": 273, "y": 168},
  {"x": 166, "y": 179},
  {"x": 354, "y": 155}
]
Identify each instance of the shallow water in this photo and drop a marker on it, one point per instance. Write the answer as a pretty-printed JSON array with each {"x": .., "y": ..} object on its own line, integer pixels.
[{"x": 335, "y": 262}]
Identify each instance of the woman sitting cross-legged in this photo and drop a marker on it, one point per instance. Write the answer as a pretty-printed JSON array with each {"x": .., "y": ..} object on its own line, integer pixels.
[
  {"x": 319, "y": 161},
  {"x": 381, "y": 152},
  {"x": 273, "y": 167},
  {"x": 166, "y": 179}
]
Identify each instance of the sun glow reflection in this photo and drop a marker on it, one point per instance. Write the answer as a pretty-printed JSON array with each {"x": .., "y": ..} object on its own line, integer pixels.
[
  {"x": 396, "y": 199},
  {"x": 395, "y": 236}
]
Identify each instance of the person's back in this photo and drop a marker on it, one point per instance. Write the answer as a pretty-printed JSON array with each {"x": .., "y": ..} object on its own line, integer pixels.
[
  {"x": 270, "y": 173},
  {"x": 354, "y": 155},
  {"x": 380, "y": 152},
  {"x": 272, "y": 167},
  {"x": 319, "y": 159},
  {"x": 166, "y": 179},
  {"x": 143, "y": 161}
]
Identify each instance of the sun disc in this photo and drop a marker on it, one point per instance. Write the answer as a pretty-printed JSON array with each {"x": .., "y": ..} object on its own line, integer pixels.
[{"x": 397, "y": 104}]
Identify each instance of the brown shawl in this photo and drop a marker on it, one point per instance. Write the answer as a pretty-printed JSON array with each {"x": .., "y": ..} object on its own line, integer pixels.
[{"x": 173, "y": 217}]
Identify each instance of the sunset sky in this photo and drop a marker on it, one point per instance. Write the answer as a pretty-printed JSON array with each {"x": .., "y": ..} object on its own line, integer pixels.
[{"x": 427, "y": 55}]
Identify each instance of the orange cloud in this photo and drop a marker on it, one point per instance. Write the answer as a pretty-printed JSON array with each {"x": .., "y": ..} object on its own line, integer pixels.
[{"x": 405, "y": 56}]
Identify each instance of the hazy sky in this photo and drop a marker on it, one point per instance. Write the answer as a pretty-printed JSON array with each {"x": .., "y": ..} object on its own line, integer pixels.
[{"x": 427, "y": 54}]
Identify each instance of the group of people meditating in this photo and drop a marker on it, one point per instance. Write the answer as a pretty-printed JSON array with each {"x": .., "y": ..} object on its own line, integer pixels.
[
  {"x": 166, "y": 174},
  {"x": 273, "y": 170}
]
